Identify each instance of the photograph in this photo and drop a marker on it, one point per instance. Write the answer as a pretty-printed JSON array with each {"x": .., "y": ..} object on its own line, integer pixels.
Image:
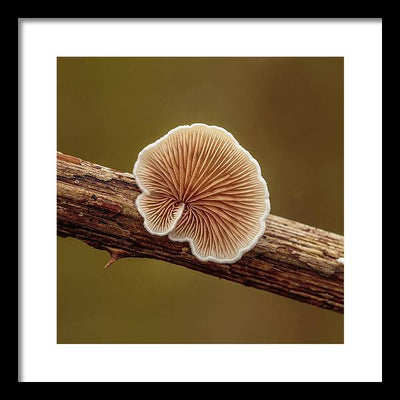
[{"x": 200, "y": 200}]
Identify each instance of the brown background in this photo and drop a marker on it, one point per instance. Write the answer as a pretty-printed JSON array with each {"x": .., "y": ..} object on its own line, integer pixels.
[{"x": 288, "y": 112}]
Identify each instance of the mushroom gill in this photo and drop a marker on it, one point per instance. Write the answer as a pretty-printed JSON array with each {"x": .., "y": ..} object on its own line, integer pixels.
[{"x": 199, "y": 185}]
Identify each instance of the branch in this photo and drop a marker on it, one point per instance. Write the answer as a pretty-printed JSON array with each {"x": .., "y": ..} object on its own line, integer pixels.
[{"x": 97, "y": 205}]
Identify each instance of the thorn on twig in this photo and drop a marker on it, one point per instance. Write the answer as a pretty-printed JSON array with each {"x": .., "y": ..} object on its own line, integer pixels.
[{"x": 115, "y": 254}]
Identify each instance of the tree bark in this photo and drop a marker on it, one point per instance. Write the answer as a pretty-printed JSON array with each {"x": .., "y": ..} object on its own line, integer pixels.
[{"x": 97, "y": 205}]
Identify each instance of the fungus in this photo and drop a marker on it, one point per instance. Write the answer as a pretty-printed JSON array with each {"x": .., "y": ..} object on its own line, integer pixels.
[{"x": 199, "y": 185}]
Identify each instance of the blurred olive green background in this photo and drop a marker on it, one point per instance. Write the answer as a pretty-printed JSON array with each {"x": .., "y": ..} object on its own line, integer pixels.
[{"x": 287, "y": 112}]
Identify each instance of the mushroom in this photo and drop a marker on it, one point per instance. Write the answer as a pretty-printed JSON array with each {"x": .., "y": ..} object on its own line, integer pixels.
[{"x": 199, "y": 185}]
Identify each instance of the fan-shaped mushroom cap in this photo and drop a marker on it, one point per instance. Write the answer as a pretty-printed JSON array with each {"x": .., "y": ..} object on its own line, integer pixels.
[{"x": 199, "y": 185}]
